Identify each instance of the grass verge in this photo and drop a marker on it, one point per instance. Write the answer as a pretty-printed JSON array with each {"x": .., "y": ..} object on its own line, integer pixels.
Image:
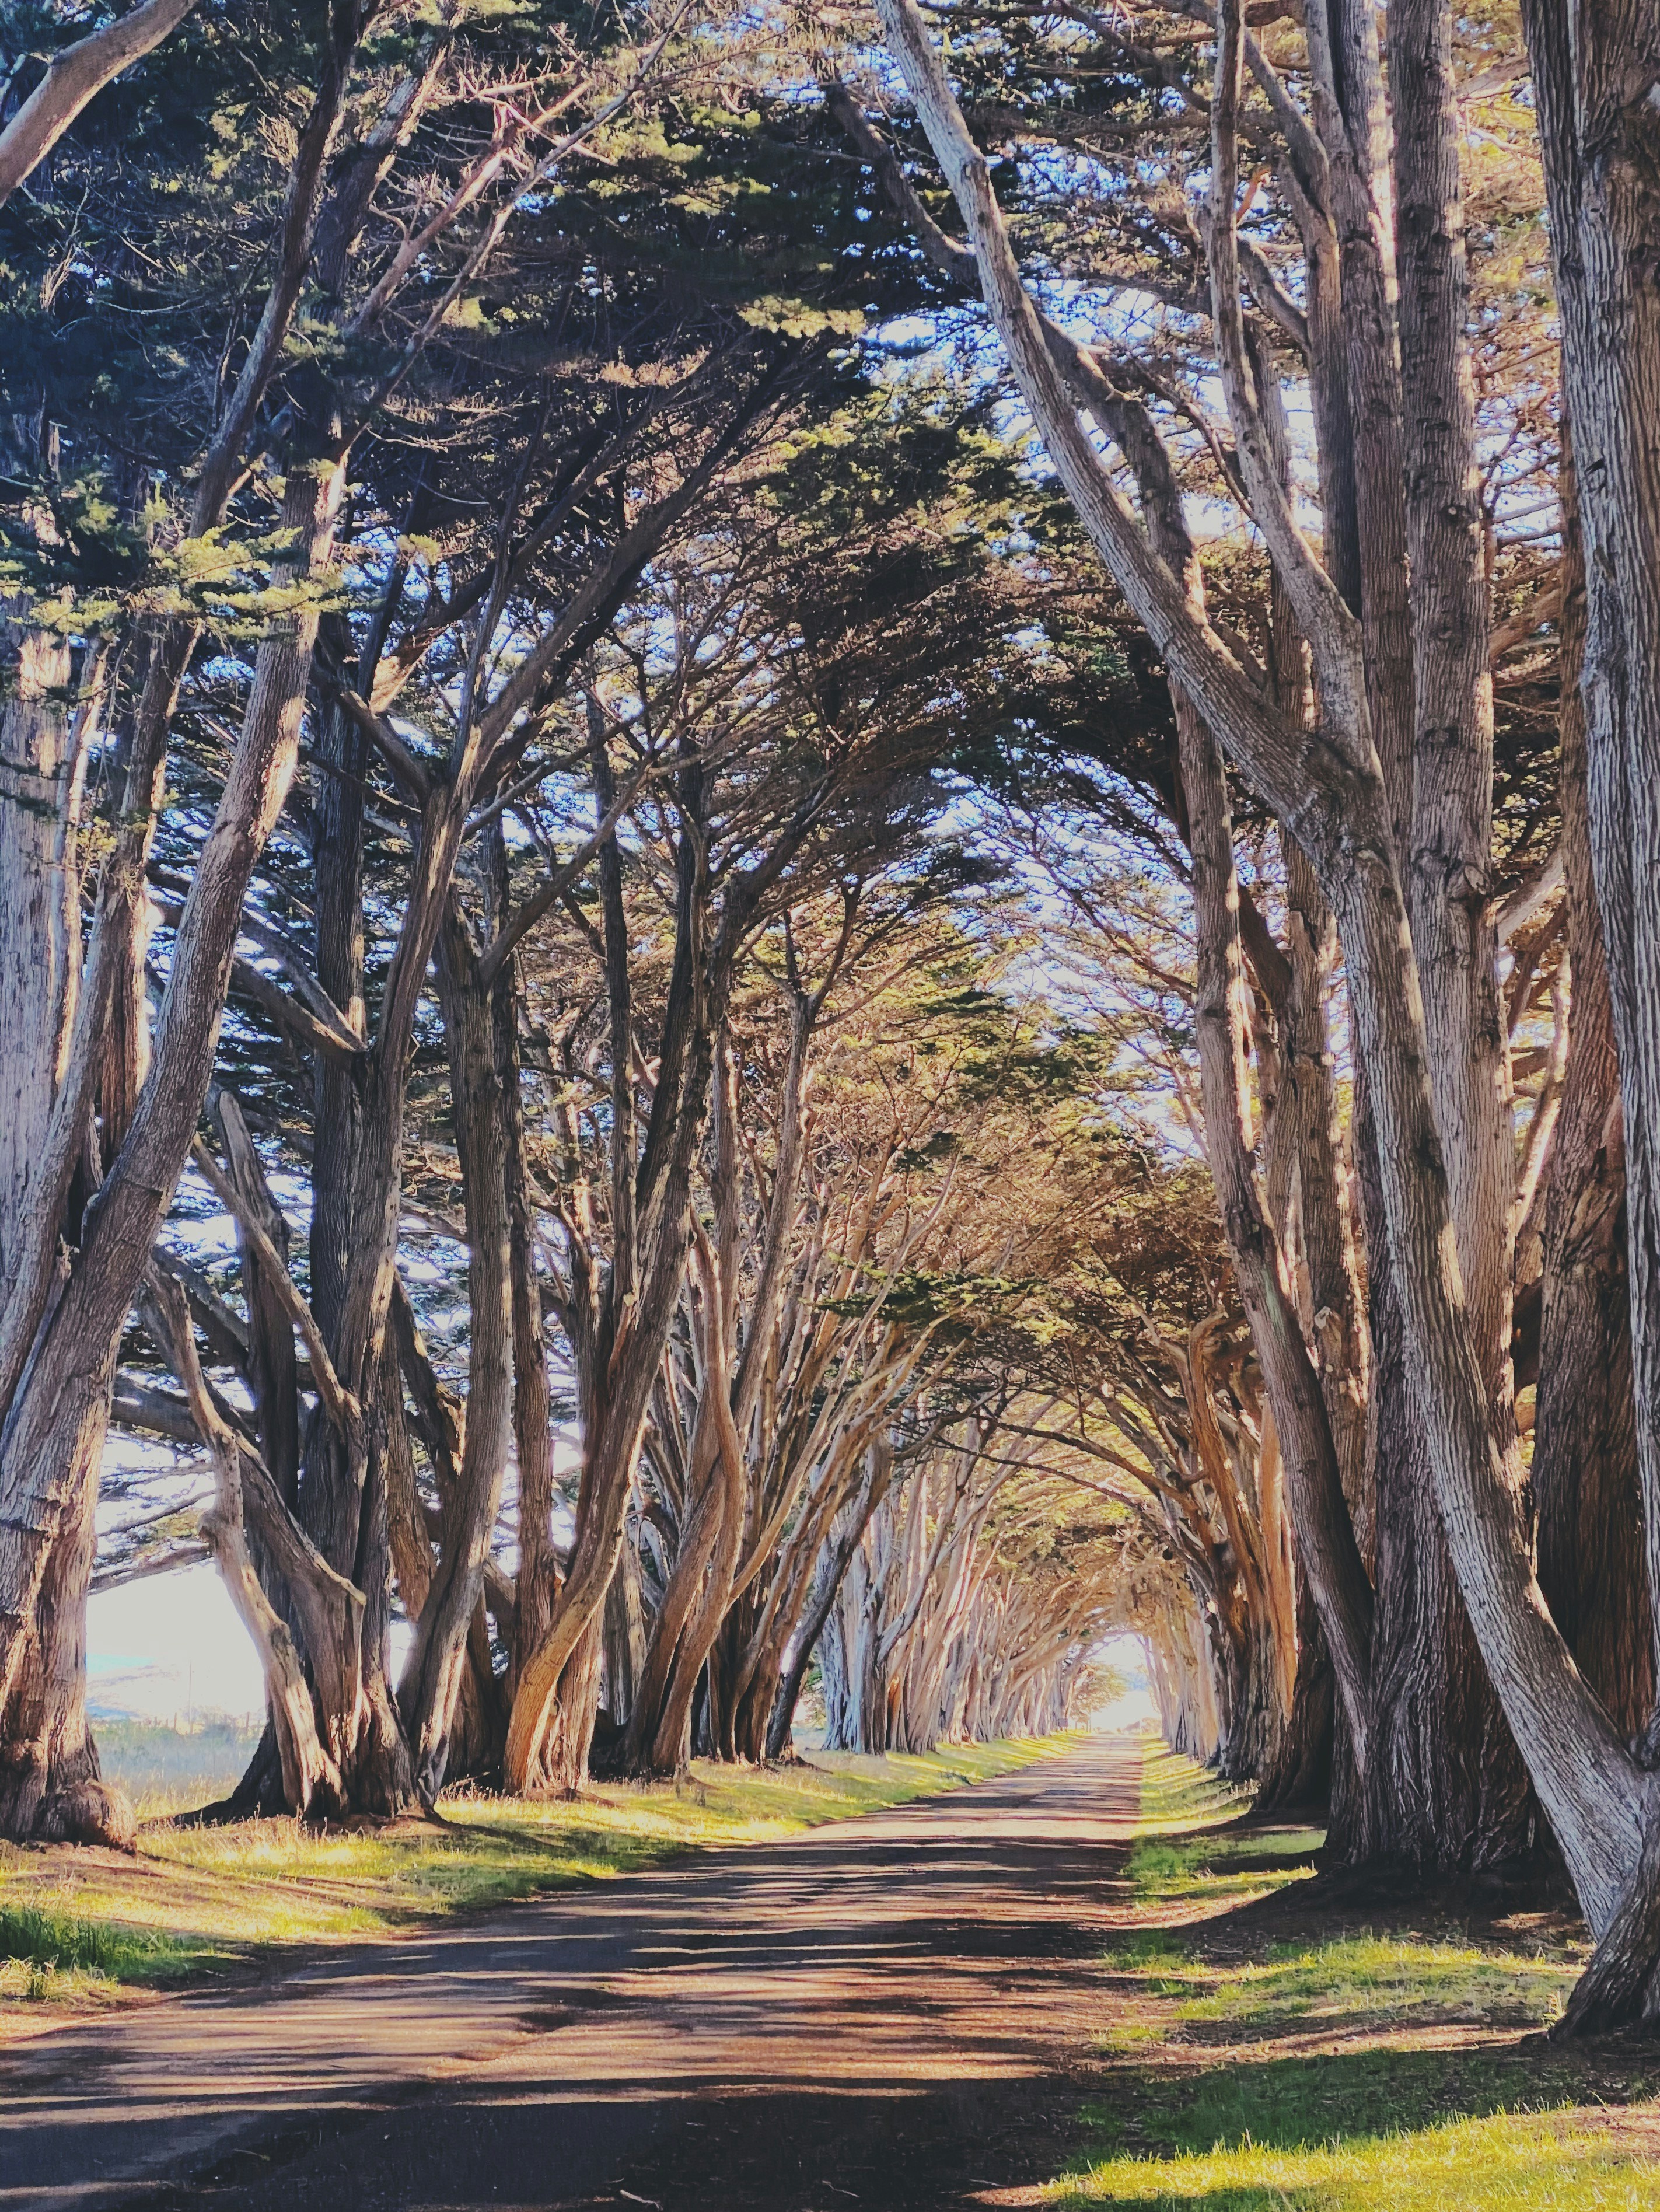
[
  {"x": 1283, "y": 2058},
  {"x": 78, "y": 1927}
]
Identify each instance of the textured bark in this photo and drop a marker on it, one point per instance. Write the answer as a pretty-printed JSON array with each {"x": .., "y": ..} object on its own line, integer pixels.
[
  {"x": 1350, "y": 118},
  {"x": 50, "y": 1784},
  {"x": 1313, "y": 1473},
  {"x": 1593, "y": 75},
  {"x": 1448, "y": 866},
  {"x": 1585, "y": 1437},
  {"x": 1325, "y": 1239},
  {"x": 36, "y": 984},
  {"x": 51, "y": 1787},
  {"x": 1301, "y": 1771},
  {"x": 1449, "y": 1790},
  {"x": 1600, "y": 133}
]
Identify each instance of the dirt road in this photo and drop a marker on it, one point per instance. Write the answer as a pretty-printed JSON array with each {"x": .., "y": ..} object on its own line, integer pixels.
[{"x": 882, "y": 2013}]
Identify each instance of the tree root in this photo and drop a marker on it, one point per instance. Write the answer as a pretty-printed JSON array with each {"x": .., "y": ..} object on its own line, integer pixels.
[{"x": 90, "y": 1811}]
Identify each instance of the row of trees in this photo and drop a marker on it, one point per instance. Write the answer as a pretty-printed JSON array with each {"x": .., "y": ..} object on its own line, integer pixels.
[
  {"x": 1021, "y": 1101},
  {"x": 493, "y": 1064},
  {"x": 1363, "y": 719}
]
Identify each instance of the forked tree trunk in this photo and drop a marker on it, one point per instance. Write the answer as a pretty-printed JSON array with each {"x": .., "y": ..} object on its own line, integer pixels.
[
  {"x": 56, "y": 1417},
  {"x": 1314, "y": 1476},
  {"x": 58, "y": 1352},
  {"x": 846, "y": 1534},
  {"x": 1593, "y": 75}
]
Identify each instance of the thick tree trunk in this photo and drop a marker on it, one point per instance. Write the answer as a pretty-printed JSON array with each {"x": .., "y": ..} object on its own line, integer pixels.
[
  {"x": 1445, "y": 1792},
  {"x": 51, "y": 1787},
  {"x": 1584, "y": 1436},
  {"x": 1448, "y": 866},
  {"x": 1301, "y": 1771},
  {"x": 57, "y": 1415},
  {"x": 1593, "y": 72}
]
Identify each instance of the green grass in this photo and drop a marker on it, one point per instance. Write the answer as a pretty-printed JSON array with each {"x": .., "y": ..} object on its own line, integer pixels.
[
  {"x": 1549, "y": 2164},
  {"x": 1185, "y": 1851},
  {"x": 1381, "y": 1981},
  {"x": 207, "y": 1901},
  {"x": 48, "y": 1952},
  {"x": 1345, "y": 2071}
]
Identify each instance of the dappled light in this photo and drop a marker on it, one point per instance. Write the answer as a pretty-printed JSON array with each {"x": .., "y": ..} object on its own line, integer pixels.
[{"x": 830, "y": 1104}]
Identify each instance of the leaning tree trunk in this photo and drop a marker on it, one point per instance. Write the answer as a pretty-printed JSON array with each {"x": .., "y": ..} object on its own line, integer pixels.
[
  {"x": 57, "y": 1362},
  {"x": 1314, "y": 1475},
  {"x": 55, "y": 1423}
]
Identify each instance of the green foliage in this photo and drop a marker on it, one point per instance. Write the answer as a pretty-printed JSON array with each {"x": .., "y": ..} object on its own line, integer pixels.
[{"x": 37, "y": 1935}]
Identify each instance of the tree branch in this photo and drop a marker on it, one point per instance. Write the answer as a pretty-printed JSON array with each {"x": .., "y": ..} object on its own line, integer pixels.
[{"x": 77, "y": 75}]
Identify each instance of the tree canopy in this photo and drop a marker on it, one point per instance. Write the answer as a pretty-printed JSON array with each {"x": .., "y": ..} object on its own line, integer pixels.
[{"x": 827, "y": 844}]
